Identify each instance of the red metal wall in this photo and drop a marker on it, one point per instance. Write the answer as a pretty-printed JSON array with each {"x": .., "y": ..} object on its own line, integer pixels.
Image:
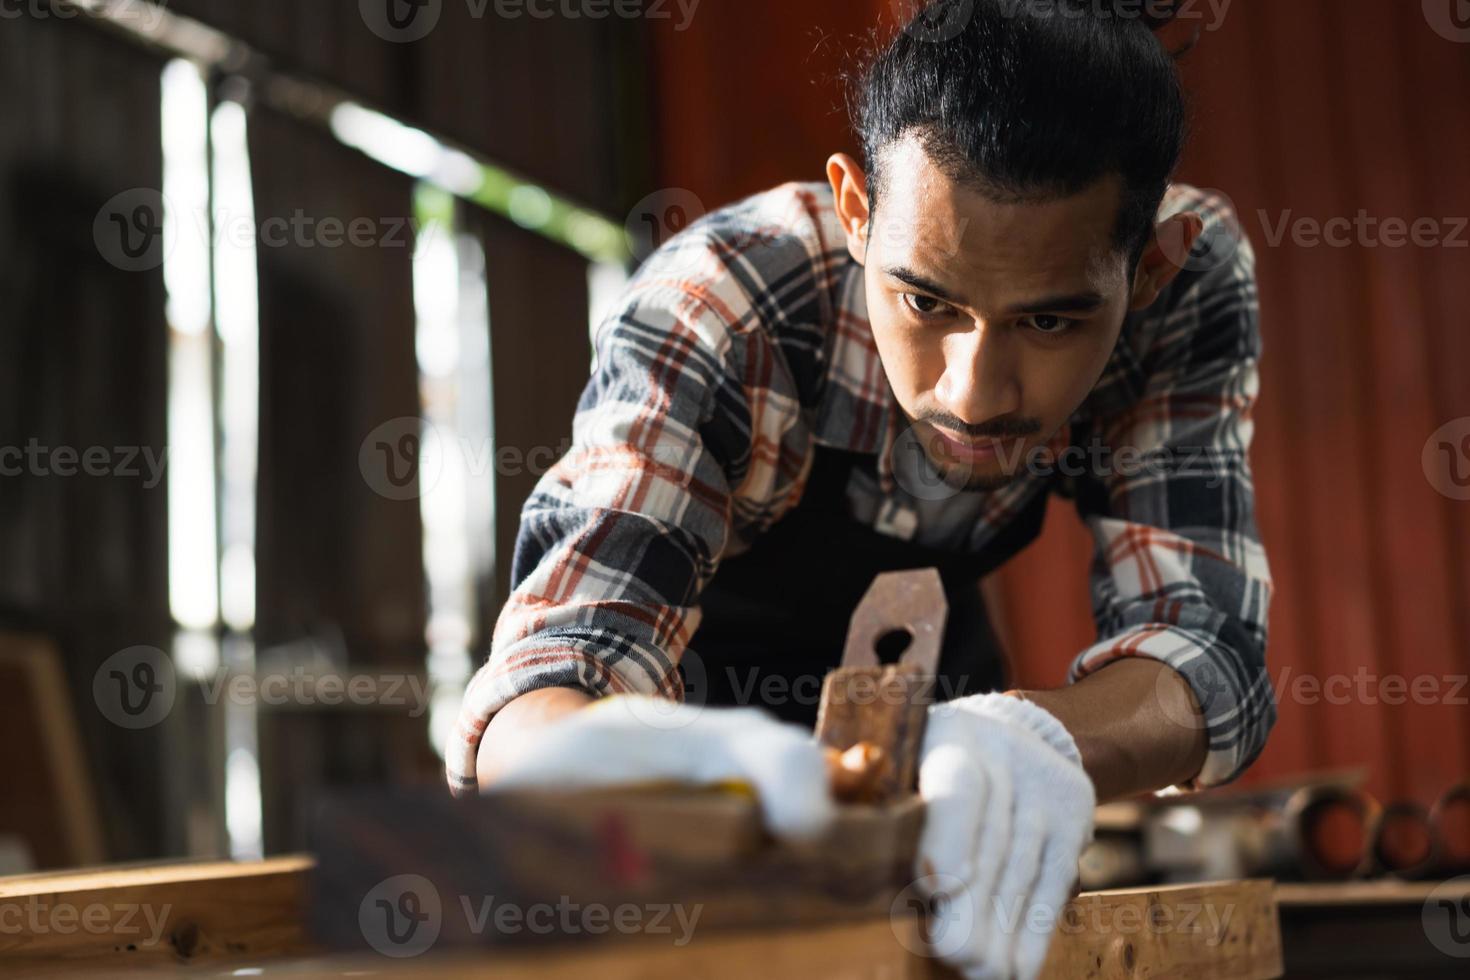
[{"x": 1310, "y": 109}]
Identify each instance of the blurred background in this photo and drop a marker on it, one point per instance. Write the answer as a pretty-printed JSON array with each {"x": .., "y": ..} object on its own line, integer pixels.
[{"x": 296, "y": 300}]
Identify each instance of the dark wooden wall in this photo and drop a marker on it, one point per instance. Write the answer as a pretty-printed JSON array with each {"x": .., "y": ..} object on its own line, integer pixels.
[
  {"x": 83, "y": 360},
  {"x": 539, "y": 367},
  {"x": 558, "y": 99},
  {"x": 83, "y": 559},
  {"x": 335, "y": 557},
  {"x": 1317, "y": 107}
]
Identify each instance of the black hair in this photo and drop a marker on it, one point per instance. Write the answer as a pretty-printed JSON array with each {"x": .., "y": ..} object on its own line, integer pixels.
[{"x": 1031, "y": 100}]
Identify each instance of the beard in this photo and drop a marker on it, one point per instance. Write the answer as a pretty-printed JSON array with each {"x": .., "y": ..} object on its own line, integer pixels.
[
  {"x": 966, "y": 477},
  {"x": 1002, "y": 468}
]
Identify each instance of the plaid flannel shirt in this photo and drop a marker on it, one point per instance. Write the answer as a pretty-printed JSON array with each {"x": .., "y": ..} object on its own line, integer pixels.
[{"x": 744, "y": 342}]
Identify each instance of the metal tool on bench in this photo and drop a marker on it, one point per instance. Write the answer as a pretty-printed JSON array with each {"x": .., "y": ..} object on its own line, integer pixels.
[
  {"x": 877, "y": 708},
  {"x": 688, "y": 847}
]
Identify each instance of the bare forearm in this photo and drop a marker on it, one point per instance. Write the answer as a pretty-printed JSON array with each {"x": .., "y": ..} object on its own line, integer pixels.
[
  {"x": 514, "y": 723},
  {"x": 1136, "y": 723}
]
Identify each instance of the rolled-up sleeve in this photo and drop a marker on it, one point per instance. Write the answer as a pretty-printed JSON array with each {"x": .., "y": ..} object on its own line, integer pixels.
[
  {"x": 1180, "y": 574},
  {"x": 620, "y": 536}
]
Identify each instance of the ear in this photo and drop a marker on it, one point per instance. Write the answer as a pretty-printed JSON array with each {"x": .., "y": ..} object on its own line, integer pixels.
[
  {"x": 850, "y": 197},
  {"x": 1164, "y": 258}
]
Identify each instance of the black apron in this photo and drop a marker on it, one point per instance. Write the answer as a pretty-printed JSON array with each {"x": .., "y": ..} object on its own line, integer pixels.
[{"x": 775, "y": 617}]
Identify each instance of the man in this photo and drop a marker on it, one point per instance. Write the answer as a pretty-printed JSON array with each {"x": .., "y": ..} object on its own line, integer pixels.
[{"x": 824, "y": 382}]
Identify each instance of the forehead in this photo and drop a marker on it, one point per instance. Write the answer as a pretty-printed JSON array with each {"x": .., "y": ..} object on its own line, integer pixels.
[{"x": 970, "y": 241}]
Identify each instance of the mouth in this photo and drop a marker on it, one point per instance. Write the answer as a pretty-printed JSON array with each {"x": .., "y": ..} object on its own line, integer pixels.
[{"x": 971, "y": 450}]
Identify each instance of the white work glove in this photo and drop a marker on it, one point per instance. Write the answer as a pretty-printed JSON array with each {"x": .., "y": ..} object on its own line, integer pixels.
[
  {"x": 631, "y": 740},
  {"x": 1008, "y": 811}
]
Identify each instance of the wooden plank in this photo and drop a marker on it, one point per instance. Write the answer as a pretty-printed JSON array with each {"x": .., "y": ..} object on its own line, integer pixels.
[
  {"x": 849, "y": 951},
  {"x": 220, "y": 917},
  {"x": 153, "y": 916},
  {"x": 49, "y": 798},
  {"x": 677, "y": 848},
  {"x": 1186, "y": 932}
]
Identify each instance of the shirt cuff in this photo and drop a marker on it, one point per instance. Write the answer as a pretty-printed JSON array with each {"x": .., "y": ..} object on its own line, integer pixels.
[{"x": 1235, "y": 718}]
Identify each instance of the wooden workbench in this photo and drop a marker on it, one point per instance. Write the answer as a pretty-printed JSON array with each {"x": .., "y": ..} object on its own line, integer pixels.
[
  {"x": 1374, "y": 929},
  {"x": 215, "y": 919}
]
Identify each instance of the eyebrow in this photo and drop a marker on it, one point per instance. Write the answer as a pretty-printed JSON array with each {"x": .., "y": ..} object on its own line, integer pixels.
[{"x": 1088, "y": 301}]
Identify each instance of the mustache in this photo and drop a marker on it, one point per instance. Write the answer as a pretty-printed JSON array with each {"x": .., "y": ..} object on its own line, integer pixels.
[{"x": 1005, "y": 427}]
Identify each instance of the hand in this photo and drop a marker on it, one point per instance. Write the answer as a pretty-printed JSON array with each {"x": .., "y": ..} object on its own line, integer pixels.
[
  {"x": 630, "y": 740},
  {"x": 1008, "y": 812}
]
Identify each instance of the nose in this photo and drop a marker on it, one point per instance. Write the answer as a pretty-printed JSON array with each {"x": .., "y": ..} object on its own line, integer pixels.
[{"x": 980, "y": 380}]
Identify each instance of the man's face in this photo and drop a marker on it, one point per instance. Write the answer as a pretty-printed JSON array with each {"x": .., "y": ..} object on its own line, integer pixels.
[{"x": 993, "y": 321}]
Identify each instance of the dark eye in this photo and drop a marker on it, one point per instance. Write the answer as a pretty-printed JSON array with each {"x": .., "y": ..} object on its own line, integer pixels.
[
  {"x": 924, "y": 305},
  {"x": 1048, "y": 324}
]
